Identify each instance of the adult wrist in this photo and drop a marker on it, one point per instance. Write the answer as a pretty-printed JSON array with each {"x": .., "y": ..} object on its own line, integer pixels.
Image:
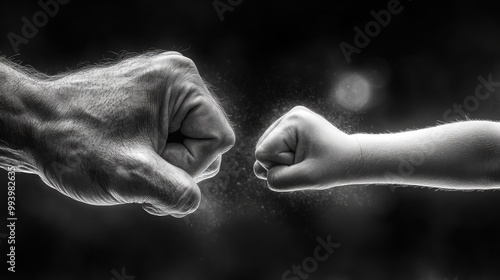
[{"x": 19, "y": 95}]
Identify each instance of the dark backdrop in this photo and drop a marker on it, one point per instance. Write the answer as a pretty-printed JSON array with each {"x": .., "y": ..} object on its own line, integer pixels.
[{"x": 263, "y": 59}]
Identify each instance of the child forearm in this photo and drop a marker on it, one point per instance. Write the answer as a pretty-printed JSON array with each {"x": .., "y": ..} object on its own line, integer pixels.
[{"x": 463, "y": 155}]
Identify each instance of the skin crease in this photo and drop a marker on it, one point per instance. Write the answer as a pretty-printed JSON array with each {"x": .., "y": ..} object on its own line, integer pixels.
[
  {"x": 303, "y": 151},
  {"x": 101, "y": 135}
]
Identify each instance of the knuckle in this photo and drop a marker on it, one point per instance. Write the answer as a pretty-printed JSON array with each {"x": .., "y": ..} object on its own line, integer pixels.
[
  {"x": 298, "y": 112},
  {"x": 130, "y": 178},
  {"x": 169, "y": 62},
  {"x": 196, "y": 98},
  {"x": 259, "y": 171},
  {"x": 211, "y": 171},
  {"x": 178, "y": 60},
  {"x": 189, "y": 201},
  {"x": 274, "y": 181},
  {"x": 301, "y": 109},
  {"x": 223, "y": 140},
  {"x": 260, "y": 154},
  {"x": 171, "y": 53},
  {"x": 228, "y": 139},
  {"x": 135, "y": 167}
]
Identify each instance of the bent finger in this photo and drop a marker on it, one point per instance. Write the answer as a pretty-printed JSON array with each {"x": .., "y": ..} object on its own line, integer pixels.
[
  {"x": 207, "y": 132},
  {"x": 211, "y": 171},
  {"x": 260, "y": 171},
  {"x": 160, "y": 187},
  {"x": 284, "y": 178}
]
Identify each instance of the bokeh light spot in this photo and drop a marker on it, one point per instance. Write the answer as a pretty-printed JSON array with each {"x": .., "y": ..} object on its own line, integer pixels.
[{"x": 352, "y": 92}]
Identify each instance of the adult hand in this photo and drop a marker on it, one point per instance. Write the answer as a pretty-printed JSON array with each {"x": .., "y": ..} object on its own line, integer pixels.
[{"x": 143, "y": 130}]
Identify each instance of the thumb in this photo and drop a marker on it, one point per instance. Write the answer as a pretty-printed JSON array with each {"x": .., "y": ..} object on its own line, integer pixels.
[
  {"x": 283, "y": 178},
  {"x": 160, "y": 187}
]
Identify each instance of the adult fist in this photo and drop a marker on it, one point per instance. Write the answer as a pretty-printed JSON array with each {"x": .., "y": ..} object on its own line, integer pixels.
[
  {"x": 143, "y": 130},
  {"x": 302, "y": 150}
]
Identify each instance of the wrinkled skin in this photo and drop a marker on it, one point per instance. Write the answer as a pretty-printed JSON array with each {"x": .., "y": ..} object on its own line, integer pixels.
[{"x": 105, "y": 135}]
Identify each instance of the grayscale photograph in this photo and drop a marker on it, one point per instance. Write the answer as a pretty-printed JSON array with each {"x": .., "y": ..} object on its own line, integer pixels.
[{"x": 259, "y": 140}]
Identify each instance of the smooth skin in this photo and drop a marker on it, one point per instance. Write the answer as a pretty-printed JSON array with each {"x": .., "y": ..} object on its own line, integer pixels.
[
  {"x": 104, "y": 135},
  {"x": 303, "y": 151}
]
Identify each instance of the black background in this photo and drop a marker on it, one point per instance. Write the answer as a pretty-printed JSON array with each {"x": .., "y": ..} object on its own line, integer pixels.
[{"x": 263, "y": 59}]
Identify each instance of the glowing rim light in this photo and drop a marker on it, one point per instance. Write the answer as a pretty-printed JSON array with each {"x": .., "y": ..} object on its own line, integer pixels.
[{"x": 352, "y": 92}]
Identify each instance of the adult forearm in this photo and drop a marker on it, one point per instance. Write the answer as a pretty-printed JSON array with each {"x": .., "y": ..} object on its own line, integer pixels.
[
  {"x": 461, "y": 155},
  {"x": 17, "y": 92}
]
